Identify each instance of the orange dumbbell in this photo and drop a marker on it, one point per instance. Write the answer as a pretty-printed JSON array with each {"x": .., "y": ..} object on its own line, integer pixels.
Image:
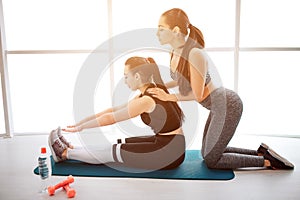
[
  {"x": 51, "y": 189},
  {"x": 70, "y": 191}
]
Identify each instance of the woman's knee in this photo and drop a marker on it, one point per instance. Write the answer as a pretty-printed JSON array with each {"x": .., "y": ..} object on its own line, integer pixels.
[{"x": 210, "y": 161}]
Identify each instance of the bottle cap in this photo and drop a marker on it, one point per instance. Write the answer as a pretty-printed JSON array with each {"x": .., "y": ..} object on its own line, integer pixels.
[{"x": 43, "y": 150}]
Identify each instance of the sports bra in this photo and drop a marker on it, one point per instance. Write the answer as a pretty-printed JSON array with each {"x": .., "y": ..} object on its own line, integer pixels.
[
  {"x": 164, "y": 118},
  {"x": 174, "y": 75}
]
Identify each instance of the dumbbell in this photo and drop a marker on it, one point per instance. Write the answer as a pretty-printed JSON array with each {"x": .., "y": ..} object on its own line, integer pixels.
[
  {"x": 70, "y": 191},
  {"x": 51, "y": 189}
]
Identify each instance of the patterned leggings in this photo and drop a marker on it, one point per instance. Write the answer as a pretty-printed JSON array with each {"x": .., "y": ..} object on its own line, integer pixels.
[{"x": 225, "y": 112}]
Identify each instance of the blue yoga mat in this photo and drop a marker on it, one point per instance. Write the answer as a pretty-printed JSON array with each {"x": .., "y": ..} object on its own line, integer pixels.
[{"x": 193, "y": 168}]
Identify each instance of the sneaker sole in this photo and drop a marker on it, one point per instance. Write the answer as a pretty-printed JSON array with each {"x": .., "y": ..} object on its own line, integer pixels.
[
  {"x": 280, "y": 158},
  {"x": 52, "y": 150},
  {"x": 264, "y": 146},
  {"x": 58, "y": 133}
]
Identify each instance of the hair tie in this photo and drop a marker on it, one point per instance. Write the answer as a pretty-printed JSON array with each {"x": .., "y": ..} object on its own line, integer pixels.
[{"x": 190, "y": 26}]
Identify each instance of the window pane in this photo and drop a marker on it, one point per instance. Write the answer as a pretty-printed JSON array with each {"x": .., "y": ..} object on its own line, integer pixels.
[
  {"x": 268, "y": 85},
  {"x": 215, "y": 18},
  {"x": 55, "y": 24},
  {"x": 225, "y": 66},
  {"x": 103, "y": 93},
  {"x": 42, "y": 90},
  {"x": 270, "y": 23}
]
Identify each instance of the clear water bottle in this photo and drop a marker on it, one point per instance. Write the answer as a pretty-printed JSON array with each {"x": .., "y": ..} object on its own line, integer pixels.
[{"x": 45, "y": 172}]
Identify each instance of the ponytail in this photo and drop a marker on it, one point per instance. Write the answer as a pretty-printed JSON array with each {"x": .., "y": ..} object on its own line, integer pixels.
[
  {"x": 195, "y": 40},
  {"x": 150, "y": 60},
  {"x": 196, "y": 35},
  {"x": 155, "y": 73}
]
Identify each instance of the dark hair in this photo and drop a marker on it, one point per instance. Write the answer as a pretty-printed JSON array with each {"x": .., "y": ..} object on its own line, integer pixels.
[
  {"x": 177, "y": 17},
  {"x": 150, "y": 73}
]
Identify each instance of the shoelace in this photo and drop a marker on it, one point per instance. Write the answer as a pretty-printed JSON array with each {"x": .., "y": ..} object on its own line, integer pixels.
[
  {"x": 64, "y": 140},
  {"x": 60, "y": 146}
]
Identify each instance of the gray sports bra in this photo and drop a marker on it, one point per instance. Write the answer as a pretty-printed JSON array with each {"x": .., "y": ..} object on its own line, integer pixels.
[{"x": 175, "y": 76}]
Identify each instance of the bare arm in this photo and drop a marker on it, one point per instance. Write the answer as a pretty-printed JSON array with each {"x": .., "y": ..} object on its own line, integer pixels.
[
  {"x": 171, "y": 84},
  {"x": 134, "y": 108},
  {"x": 198, "y": 70},
  {"x": 162, "y": 95},
  {"x": 93, "y": 117}
]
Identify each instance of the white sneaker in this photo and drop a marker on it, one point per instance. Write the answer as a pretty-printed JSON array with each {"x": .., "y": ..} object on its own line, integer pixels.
[
  {"x": 62, "y": 138},
  {"x": 56, "y": 146}
]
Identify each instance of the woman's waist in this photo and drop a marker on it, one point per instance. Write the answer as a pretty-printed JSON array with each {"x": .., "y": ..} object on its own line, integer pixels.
[
  {"x": 208, "y": 89},
  {"x": 178, "y": 131}
]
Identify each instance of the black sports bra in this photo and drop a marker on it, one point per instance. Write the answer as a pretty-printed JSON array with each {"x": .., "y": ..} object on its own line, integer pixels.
[{"x": 163, "y": 118}]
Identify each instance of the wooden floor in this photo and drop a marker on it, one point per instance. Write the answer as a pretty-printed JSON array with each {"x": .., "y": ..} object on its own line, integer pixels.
[{"x": 18, "y": 158}]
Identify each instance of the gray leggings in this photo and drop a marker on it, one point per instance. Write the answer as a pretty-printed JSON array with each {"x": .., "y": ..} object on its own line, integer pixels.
[{"x": 225, "y": 112}]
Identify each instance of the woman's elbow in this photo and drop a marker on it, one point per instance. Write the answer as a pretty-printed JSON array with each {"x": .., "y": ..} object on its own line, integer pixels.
[
  {"x": 198, "y": 98},
  {"x": 106, "y": 119},
  {"x": 195, "y": 95}
]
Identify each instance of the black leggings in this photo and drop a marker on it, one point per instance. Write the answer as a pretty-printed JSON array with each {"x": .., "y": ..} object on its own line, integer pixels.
[{"x": 153, "y": 152}]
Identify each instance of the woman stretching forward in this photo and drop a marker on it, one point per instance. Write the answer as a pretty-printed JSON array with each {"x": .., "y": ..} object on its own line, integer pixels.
[{"x": 163, "y": 150}]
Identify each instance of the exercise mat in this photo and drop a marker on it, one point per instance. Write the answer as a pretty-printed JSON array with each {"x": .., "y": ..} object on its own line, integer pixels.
[{"x": 193, "y": 168}]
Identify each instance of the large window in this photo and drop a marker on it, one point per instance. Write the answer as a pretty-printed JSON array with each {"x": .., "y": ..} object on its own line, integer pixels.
[
  {"x": 270, "y": 23},
  {"x": 47, "y": 46},
  {"x": 42, "y": 88},
  {"x": 269, "y": 67},
  {"x": 268, "y": 87},
  {"x": 55, "y": 24},
  {"x": 254, "y": 44},
  {"x": 212, "y": 17},
  {"x": 216, "y": 18}
]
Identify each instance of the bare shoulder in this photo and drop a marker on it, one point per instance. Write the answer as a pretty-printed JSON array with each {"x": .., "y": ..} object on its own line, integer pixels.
[
  {"x": 196, "y": 53},
  {"x": 142, "y": 99},
  {"x": 147, "y": 103},
  {"x": 197, "y": 59},
  {"x": 147, "y": 99}
]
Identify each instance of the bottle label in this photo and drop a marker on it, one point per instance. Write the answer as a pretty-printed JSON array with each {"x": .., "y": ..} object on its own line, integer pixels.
[{"x": 43, "y": 168}]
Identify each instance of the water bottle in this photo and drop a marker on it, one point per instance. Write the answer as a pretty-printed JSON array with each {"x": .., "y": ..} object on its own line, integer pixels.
[{"x": 44, "y": 164}]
